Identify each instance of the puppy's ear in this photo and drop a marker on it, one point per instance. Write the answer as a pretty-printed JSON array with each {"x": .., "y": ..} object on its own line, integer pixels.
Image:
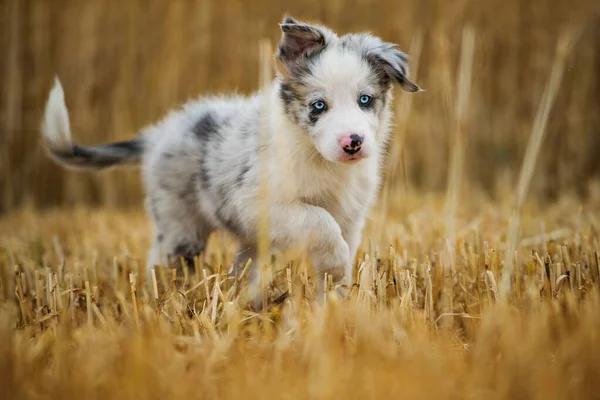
[
  {"x": 300, "y": 39},
  {"x": 395, "y": 64}
]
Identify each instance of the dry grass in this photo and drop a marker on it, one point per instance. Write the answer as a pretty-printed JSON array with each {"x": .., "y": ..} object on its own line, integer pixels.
[
  {"x": 124, "y": 64},
  {"x": 79, "y": 319}
]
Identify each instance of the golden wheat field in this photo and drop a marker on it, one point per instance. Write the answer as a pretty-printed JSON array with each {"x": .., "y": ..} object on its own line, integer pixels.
[
  {"x": 426, "y": 319},
  {"x": 478, "y": 276}
]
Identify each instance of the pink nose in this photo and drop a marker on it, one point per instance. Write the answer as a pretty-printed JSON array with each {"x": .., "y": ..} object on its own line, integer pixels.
[{"x": 351, "y": 143}]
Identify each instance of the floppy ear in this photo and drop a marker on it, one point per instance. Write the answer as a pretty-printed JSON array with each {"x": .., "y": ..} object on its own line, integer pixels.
[
  {"x": 299, "y": 39},
  {"x": 395, "y": 64}
]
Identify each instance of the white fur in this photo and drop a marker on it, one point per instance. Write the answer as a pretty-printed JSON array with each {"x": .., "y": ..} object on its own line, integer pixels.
[
  {"x": 56, "y": 128},
  {"x": 340, "y": 76}
]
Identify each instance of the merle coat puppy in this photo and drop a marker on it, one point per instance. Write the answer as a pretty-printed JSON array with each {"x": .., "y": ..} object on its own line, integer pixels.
[{"x": 326, "y": 121}]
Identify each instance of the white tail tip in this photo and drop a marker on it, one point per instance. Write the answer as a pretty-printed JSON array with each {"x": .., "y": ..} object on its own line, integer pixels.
[{"x": 55, "y": 127}]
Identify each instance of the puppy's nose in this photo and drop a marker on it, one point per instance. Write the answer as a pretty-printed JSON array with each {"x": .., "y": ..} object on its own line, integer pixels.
[{"x": 351, "y": 143}]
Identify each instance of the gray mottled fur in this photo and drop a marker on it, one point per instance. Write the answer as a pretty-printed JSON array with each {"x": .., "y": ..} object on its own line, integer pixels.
[{"x": 200, "y": 164}]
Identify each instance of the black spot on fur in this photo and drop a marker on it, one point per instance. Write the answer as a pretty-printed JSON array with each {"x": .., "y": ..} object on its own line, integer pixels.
[
  {"x": 304, "y": 68},
  {"x": 206, "y": 127},
  {"x": 391, "y": 63},
  {"x": 180, "y": 249},
  {"x": 313, "y": 116},
  {"x": 382, "y": 78},
  {"x": 185, "y": 251},
  {"x": 188, "y": 192},
  {"x": 189, "y": 261},
  {"x": 240, "y": 178},
  {"x": 288, "y": 95},
  {"x": 386, "y": 59},
  {"x": 204, "y": 175},
  {"x": 160, "y": 238}
]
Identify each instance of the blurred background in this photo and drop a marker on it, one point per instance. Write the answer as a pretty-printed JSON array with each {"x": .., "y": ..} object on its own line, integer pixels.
[{"x": 123, "y": 64}]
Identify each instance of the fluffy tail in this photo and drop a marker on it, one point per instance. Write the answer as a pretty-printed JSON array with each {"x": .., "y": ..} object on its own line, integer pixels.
[{"x": 57, "y": 139}]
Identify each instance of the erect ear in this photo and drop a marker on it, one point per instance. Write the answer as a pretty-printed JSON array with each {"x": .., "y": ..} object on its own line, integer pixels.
[
  {"x": 395, "y": 64},
  {"x": 300, "y": 39}
]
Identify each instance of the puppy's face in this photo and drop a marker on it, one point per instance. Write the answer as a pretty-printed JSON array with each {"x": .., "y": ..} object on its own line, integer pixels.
[{"x": 337, "y": 88}]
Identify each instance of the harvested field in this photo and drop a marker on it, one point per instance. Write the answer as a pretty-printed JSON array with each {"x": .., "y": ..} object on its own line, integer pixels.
[{"x": 425, "y": 318}]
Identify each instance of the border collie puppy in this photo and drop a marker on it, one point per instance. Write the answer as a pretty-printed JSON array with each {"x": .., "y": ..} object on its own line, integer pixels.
[{"x": 317, "y": 134}]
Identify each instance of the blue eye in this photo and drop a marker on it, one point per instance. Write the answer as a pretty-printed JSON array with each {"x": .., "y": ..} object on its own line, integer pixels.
[
  {"x": 319, "y": 105},
  {"x": 365, "y": 100}
]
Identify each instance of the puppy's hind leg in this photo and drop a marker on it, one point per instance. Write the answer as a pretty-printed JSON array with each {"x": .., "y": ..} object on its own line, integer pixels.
[{"x": 179, "y": 232}]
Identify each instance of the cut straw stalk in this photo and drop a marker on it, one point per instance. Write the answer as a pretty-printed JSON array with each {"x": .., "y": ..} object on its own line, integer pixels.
[
  {"x": 134, "y": 300},
  {"x": 258, "y": 286},
  {"x": 155, "y": 290},
  {"x": 397, "y": 161},
  {"x": 456, "y": 166},
  {"x": 403, "y": 109},
  {"x": 263, "y": 193},
  {"x": 88, "y": 301},
  {"x": 531, "y": 154},
  {"x": 460, "y": 122}
]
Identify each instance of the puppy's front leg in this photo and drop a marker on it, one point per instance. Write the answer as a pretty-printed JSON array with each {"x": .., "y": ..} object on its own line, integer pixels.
[
  {"x": 352, "y": 233},
  {"x": 313, "y": 227}
]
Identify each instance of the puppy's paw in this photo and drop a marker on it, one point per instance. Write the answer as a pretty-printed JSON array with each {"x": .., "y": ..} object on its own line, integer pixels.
[
  {"x": 275, "y": 296},
  {"x": 333, "y": 260}
]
